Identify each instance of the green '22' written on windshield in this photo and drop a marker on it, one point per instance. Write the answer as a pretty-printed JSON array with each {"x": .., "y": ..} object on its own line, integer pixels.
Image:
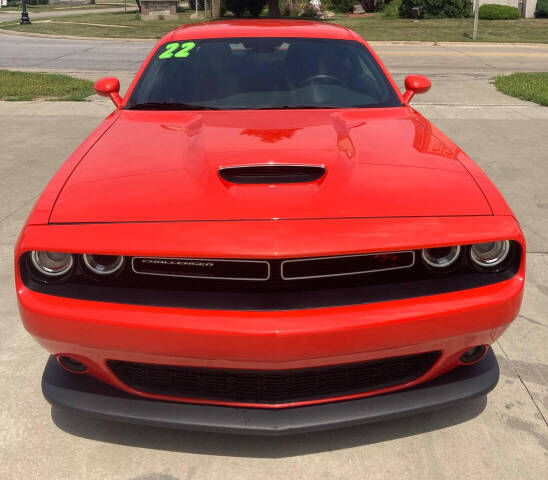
[{"x": 177, "y": 50}]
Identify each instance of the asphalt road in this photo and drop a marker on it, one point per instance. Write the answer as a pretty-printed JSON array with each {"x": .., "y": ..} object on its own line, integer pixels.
[
  {"x": 503, "y": 436},
  {"x": 101, "y": 55}
]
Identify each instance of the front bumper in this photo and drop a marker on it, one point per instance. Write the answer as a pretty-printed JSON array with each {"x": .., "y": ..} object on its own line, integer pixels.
[
  {"x": 85, "y": 395},
  {"x": 450, "y": 323}
]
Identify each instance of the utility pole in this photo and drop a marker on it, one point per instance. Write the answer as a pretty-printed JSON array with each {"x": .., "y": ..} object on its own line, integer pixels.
[{"x": 476, "y": 20}]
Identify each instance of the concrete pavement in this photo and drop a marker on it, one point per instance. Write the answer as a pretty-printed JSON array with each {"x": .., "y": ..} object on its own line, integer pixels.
[{"x": 504, "y": 436}]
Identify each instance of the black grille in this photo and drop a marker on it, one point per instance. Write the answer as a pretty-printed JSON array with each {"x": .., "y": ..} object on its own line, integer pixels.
[
  {"x": 265, "y": 174},
  {"x": 320, "y": 267},
  {"x": 259, "y": 270},
  {"x": 272, "y": 387}
]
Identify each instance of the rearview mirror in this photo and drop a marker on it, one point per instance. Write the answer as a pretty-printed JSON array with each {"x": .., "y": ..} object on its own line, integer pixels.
[
  {"x": 109, "y": 87},
  {"x": 415, "y": 84}
]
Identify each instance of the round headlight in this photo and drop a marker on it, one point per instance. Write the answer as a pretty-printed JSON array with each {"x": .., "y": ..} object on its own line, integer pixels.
[
  {"x": 442, "y": 257},
  {"x": 103, "y": 264},
  {"x": 490, "y": 254},
  {"x": 52, "y": 264}
]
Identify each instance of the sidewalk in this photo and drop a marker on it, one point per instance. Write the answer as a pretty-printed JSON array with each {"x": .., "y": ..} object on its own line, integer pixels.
[
  {"x": 10, "y": 16},
  {"x": 502, "y": 437}
]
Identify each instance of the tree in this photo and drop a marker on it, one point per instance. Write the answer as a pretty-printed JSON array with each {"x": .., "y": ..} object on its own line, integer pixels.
[
  {"x": 274, "y": 9},
  {"x": 368, "y": 5},
  {"x": 212, "y": 8},
  {"x": 216, "y": 11}
]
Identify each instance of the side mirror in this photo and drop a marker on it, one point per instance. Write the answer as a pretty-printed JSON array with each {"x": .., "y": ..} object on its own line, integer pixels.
[
  {"x": 109, "y": 87},
  {"x": 415, "y": 84}
]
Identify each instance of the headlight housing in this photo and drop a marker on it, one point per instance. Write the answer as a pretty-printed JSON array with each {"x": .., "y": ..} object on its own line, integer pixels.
[
  {"x": 52, "y": 264},
  {"x": 103, "y": 264},
  {"x": 441, "y": 258},
  {"x": 489, "y": 254}
]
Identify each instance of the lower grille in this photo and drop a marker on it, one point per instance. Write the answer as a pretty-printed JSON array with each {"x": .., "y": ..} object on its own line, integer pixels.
[{"x": 272, "y": 387}]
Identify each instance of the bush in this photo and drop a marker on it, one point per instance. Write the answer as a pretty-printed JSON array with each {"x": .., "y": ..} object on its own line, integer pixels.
[
  {"x": 542, "y": 9},
  {"x": 255, "y": 7},
  {"x": 343, "y": 6},
  {"x": 287, "y": 11},
  {"x": 309, "y": 11},
  {"x": 490, "y": 11},
  {"x": 241, "y": 7},
  {"x": 391, "y": 9},
  {"x": 237, "y": 7},
  {"x": 437, "y": 8}
]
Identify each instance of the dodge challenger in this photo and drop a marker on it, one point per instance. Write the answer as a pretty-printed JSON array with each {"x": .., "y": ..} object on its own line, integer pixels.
[{"x": 265, "y": 238}]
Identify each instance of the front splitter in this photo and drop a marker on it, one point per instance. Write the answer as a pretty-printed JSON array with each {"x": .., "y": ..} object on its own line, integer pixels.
[{"x": 85, "y": 395}]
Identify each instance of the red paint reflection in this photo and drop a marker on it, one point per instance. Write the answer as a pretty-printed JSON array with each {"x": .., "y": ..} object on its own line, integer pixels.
[{"x": 270, "y": 135}]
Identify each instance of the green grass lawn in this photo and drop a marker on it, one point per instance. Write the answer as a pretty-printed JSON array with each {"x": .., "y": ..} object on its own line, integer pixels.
[
  {"x": 115, "y": 24},
  {"x": 527, "y": 86},
  {"x": 46, "y": 86},
  {"x": 447, "y": 29},
  {"x": 380, "y": 27}
]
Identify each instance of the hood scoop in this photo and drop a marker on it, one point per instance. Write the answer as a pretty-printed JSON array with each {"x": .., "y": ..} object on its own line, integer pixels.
[{"x": 272, "y": 173}]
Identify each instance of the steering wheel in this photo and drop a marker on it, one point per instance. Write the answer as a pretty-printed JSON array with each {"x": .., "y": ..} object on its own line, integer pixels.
[{"x": 313, "y": 78}]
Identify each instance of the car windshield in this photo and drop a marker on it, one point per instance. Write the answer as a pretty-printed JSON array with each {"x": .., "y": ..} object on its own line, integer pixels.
[{"x": 262, "y": 73}]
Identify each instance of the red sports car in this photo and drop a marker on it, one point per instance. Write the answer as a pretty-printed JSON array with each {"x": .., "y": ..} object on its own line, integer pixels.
[{"x": 264, "y": 237}]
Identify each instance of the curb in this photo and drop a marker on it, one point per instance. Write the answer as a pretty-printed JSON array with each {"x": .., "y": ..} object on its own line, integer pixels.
[
  {"x": 371, "y": 42},
  {"x": 456, "y": 44}
]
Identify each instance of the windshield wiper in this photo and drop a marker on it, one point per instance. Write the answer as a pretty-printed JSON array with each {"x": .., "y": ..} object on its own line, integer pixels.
[
  {"x": 295, "y": 107},
  {"x": 169, "y": 106}
]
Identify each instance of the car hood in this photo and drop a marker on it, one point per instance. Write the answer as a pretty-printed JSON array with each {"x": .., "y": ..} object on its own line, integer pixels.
[{"x": 163, "y": 166}]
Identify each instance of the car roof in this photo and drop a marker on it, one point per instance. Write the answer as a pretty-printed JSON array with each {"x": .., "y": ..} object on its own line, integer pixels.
[{"x": 260, "y": 28}]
